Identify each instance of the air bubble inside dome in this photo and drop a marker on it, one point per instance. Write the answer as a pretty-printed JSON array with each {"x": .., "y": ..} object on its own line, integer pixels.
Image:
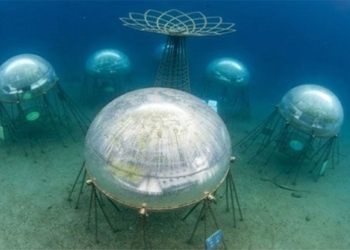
[
  {"x": 312, "y": 109},
  {"x": 227, "y": 71},
  {"x": 158, "y": 146},
  {"x": 108, "y": 63},
  {"x": 24, "y": 77}
]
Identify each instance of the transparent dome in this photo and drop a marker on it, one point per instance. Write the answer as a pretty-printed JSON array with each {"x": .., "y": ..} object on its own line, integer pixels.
[
  {"x": 158, "y": 146},
  {"x": 24, "y": 77},
  {"x": 312, "y": 109},
  {"x": 108, "y": 63},
  {"x": 227, "y": 71}
]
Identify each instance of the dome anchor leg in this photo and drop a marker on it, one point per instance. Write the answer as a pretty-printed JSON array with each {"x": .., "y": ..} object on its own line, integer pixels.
[
  {"x": 82, "y": 177},
  {"x": 203, "y": 217},
  {"x": 142, "y": 230},
  {"x": 232, "y": 196},
  {"x": 96, "y": 200}
]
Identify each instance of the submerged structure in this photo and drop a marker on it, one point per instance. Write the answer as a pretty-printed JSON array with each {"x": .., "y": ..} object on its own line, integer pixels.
[
  {"x": 158, "y": 149},
  {"x": 229, "y": 78},
  {"x": 32, "y": 103},
  {"x": 305, "y": 125},
  {"x": 107, "y": 75},
  {"x": 173, "y": 71}
]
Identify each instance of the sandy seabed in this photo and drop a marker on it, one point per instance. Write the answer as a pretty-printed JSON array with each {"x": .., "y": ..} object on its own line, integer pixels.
[{"x": 35, "y": 212}]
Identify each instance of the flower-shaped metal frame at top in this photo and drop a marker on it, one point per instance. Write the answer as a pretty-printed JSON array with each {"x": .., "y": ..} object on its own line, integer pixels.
[{"x": 176, "y": 23}]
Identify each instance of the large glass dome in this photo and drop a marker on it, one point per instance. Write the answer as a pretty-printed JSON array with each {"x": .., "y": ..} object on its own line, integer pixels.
[
  {"x": 24, "y": 77},
  {"x": 108, "y": 63},
  {"x": 158, "y": 146},
  {"x": 227, "y": 71},
  {"x": 312, "y": 109}
]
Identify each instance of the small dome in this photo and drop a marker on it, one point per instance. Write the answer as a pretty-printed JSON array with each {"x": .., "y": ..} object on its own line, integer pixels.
[
  {"x": 108, "y": 63},
  {"x": 312, "y": 109},
  {"x": 227, "y": 71},
  {"x": 158, "y": 146},
  {"x": 24, "y": 77}
]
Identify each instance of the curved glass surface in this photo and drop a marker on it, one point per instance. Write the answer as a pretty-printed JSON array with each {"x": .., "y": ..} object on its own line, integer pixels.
[
  {"x": 158, "y": 146},
  {"x": 24, "y": 77},
  {"x": 227, "y": 71},
  {"x": 312, "y": 109},
  {"x": 108, "y": 63}
]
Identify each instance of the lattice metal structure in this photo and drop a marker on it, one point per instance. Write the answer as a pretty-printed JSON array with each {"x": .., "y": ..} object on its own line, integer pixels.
[{"x": 173, "y": 71}]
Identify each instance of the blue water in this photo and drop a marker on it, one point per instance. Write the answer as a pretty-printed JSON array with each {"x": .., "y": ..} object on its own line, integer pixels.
[{"x": 282, "y": 43}]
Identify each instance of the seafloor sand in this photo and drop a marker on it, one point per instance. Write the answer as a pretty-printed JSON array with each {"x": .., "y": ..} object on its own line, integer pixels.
[{"x": 35, "y": 213}]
